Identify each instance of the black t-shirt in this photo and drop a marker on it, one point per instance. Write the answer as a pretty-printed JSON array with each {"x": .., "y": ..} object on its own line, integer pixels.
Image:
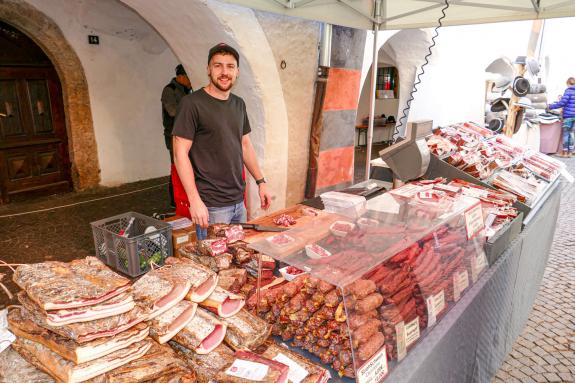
[{"x": 217, "y": 128}]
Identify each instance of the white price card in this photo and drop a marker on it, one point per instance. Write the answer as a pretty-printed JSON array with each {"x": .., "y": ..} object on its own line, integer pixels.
[
  {"x": 412, "y": 333},
  {"x": 183, "y": 239},
  {"x": 408, "y": 190},
  {"x": 435, "y": 305},
  {"x": 474, "y": 220},
  {"x": 375, "y": 369},
  {"x": 296, "y": 373},
  {"x": 400, "y": 340},
  {"x": 460, "y": 283},
  {"x": 247, "y": 370},
  {"x": 474, "y": 192},
  {"x": 3, "y": 319},
  {"x": 6, "y": 339},
  {"x": 478, "y": 264},
  {"x": 447, "y": 188}
]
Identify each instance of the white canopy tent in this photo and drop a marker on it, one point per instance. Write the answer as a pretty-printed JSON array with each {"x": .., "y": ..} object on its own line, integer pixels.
[{"x": 405, "y": 14}]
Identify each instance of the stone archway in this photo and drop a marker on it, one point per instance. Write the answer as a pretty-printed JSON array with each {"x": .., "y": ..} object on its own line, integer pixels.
[{"x": 81, "y": 139}]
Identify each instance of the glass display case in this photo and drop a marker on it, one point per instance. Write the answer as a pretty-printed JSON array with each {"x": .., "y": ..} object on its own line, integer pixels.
[{"x": 367, "y": 289}]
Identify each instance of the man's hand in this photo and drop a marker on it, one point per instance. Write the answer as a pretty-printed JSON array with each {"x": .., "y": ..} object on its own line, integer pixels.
[
  {"x": 199, "y": 212},
  {"x": 265, "y": 197}
]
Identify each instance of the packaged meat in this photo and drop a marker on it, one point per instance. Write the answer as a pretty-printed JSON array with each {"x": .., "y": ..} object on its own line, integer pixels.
[
  {"x": 246, "y": 331},
  {"x": 165, "y": 326},
  {"x": 223, "y": 303},
  {"x": 208, "y": 365},
  {"x": 203, "y": 333},
  {"x": 203, "y": 281},
  {"x": 341, "y": 228},
  {"x": 60, "y": 285},
  {"x": 316, "y": 252},
  {"x": 68, "y": 349},
  {"x": 69, "y": 372},
  {"x": 85, "y": 331},
  {"x": 280, "y": 240}
]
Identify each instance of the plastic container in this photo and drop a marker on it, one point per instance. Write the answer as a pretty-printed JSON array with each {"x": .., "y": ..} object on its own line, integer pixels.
[{"x": 130, "y": 242}]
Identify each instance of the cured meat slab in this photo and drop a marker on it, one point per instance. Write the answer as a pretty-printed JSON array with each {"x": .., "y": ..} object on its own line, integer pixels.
[
  {"x": 223, "y": 303},
  {"x": 68, "y": 372},
  {"x": 15, "y": 369},
  {"x": 203, "y": 281},
  {"x": 160, "y": 290},
  {"x": 203, "y": 333},
  {"x": 117, "y": 305},
  {"x": 85, "y": 331},
  {"x": 68, "y": 349},
  {"x": 206, "y": 366},
  {"x": 165, "y": 326},
  {"x": 160, "y": 364},
  {"x": 246, "y": 331},
  {"x": 59, "y": 285}
]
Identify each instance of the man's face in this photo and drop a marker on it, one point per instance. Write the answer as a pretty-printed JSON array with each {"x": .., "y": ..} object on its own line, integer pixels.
[{"x": 223, "y": 71}]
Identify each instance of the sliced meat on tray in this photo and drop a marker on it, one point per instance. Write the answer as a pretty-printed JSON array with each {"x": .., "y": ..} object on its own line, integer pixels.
[
  {"x": 69, "y": 372},
  {"x": 59, "y": 285},
  {"x": 223, "y": 303},
  {"x": 203, "y": 333},
  {"x": 203, "y": 280},
  {"x": 165, "y": 326},
  {"x": 67, "y": 348}
]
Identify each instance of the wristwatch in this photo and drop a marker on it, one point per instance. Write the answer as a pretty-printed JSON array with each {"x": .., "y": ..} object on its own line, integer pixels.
[{"x": 261, "y": 181}]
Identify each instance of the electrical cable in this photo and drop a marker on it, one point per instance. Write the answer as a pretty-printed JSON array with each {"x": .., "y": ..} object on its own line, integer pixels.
[
  {"x": 82, "y": 202},
  {"x": 421, "y": 72}
]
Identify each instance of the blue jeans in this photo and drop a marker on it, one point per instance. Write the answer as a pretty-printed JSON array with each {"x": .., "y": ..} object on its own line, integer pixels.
[
  {"x": 227, "y": 214},
  {"x": 568, "y": 135}
]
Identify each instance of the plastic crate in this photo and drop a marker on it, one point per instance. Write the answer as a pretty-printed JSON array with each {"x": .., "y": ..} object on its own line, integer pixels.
[{"x": 145, "y": 240}]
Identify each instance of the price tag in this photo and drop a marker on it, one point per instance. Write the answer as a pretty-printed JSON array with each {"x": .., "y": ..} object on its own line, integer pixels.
[
  {"x": 460, "y": 283},
  {"x": 447, "y": 188},
  {"x": 375, "y": 369},
  {"x": 400, "y": 337},
  {"x": 3, "y": 319},
  {"x": 478, "y": 264},
  {"x": 6, "y": 339},
  {"x": 407, "y": 191},
  {"x": 412, "y": 333},
  {"x": 474, "y": 192},
  {"x": 474, "y": 220},
  {"x": 183, "y": 239},
  {"x": 490, "y": 219},
  {"x": 247, "y": 370},
  {"x": 296, "y": 373},
  {"x": 435, "y": 305}
]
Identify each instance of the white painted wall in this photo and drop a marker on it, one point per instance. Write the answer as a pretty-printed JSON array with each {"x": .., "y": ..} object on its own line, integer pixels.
[
  {"x": 125, "y": 74},
  {"x": 557, "y": 55}
]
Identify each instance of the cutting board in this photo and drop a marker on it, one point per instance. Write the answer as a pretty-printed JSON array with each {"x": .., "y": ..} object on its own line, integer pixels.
[{"x": 297, "y": 212}]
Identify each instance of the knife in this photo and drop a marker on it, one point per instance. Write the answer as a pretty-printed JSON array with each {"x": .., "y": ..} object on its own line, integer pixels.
[{"x": 255, "y": 227}]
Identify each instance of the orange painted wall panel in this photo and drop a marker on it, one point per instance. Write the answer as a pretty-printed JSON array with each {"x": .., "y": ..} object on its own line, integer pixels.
[
  {"x": 342, "y": 90},
  {"x": 335, "y": 167}
]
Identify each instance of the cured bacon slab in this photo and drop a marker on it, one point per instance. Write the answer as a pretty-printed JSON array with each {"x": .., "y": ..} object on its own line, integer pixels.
[
  {"x": 165, "y": 326},
  {"x": 59, "y": 285},
  {"x": 203, "y": 281},
  {"x": 69, "y": 372},
  {"x": 14, "y": 368},
  {"x": 203, "y": 333},
  {"x": 160, "y": 290},
  {"x": 85, "y": 331},
  {"x": 117, "y": 305},
  {"x": 246, "y": 331},
  {"x": 207, "y": 366},
  {"x": 67, "y": 348},
  {"x": 223, "y": 303},
  {"x": 160, "y": 364}
]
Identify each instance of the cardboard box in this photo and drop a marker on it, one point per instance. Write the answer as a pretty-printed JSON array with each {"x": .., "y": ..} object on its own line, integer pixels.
[{"x": 182, "y": 236}]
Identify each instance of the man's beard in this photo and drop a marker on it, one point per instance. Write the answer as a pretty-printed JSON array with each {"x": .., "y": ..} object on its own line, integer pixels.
[{"x": 220, "y": 87}]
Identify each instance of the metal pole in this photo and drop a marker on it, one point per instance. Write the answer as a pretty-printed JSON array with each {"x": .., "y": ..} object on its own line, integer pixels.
[{"x": 371, "y": 102}]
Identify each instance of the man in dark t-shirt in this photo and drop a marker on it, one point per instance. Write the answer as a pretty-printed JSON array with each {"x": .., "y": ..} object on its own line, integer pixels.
[{"x": 212, "y": 144}]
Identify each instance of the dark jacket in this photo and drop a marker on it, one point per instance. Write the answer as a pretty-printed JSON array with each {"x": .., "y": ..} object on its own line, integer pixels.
[
  {"x": 567, "y": 102},
  {"x": 171, "y": 96}
]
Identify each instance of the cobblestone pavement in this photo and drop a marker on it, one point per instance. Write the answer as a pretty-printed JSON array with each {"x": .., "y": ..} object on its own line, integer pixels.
[
  {"x": 545, "y": 351},
  {"x": 65, "y": 234}
]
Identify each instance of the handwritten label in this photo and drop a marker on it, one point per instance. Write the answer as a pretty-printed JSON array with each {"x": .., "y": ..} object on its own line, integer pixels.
[
  {"x": 375, "y": 369},
  {"x": 435, "y": 305},
  {"x": 296, "y": 373},
  {"x": 247, "y": 370},
  {"x": 474, "y": 220},
  {"x": 460, "y": 283},
  {"x": 400, "y": 340},
  {"x": 407, "y": 191},
  {"x": 474, "y": 192},
  {"x": 412, "y": 332},
  {"x": 183, "y": 239},
  {"x": 478, "y": 264}
]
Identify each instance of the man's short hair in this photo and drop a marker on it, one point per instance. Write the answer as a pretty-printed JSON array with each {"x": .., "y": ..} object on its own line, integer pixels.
[
  {"x": 223, "y": 48},
  {"x": 571, "y": 81}
]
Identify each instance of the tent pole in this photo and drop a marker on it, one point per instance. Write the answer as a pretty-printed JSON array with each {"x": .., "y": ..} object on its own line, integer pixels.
[{"x": 371, "y": 102}]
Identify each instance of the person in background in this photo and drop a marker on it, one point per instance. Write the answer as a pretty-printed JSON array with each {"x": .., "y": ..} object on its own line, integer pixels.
[
  {"x": 212, "y": 144},
  {"x": 567, "y": 102},
  {"x": 171, "y": 97}
]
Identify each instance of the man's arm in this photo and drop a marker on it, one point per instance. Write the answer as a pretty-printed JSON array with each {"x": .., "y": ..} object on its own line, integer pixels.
[
  {"x": 561, "y": 103},
  {"x": 251, "y": 162},
  {"x": 198, "y": 210},
  {"x": 169, "y": 101}
]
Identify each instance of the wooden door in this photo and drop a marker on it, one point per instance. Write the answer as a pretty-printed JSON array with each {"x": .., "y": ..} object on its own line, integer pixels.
[{"x": 33, "y": 143}]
